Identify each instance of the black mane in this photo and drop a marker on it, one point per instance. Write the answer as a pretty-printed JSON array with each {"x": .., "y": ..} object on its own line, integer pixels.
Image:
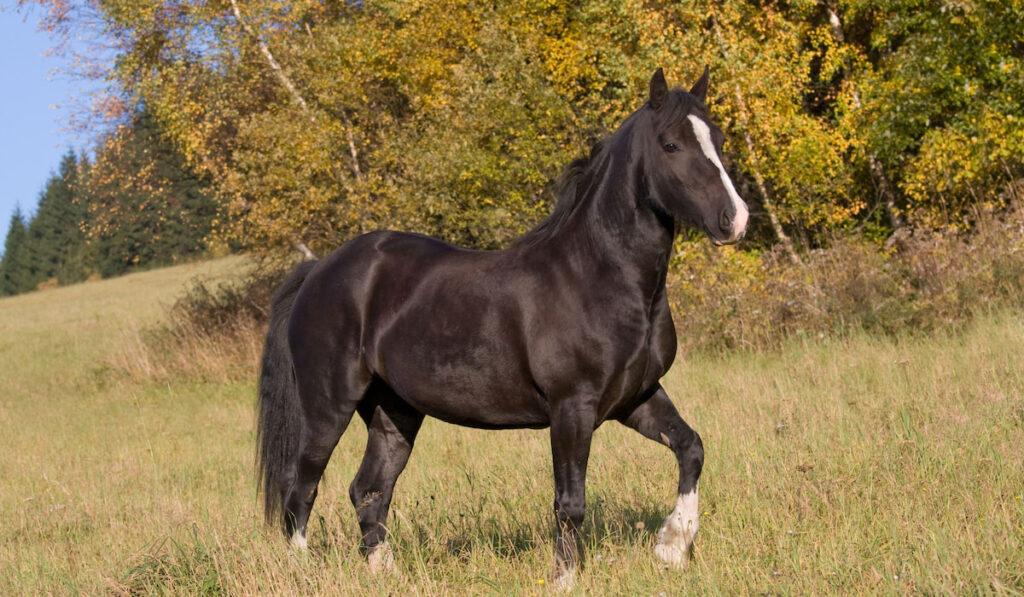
[
  {"x": 578, "y": 176},
  {"x": 569, "y": 191}
]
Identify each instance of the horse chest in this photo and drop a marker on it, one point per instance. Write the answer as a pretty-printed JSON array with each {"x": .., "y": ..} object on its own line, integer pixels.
[{"x": 606, "y": 356}]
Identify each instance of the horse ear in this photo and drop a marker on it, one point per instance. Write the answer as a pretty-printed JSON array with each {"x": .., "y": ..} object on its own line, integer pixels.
[
  {"x": 700, "y": 88},
  {"x": 659, "y": 89}
]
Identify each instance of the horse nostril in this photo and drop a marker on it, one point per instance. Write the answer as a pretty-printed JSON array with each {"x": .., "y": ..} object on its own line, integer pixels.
[{"x": 725, "y": 222}]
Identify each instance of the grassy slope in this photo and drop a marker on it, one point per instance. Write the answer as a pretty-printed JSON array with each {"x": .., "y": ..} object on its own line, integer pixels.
[{"x": 858, "y": 466}]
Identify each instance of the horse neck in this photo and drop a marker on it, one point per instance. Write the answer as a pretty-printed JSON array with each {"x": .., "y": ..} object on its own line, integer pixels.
[{"x": 615, "y": 224}]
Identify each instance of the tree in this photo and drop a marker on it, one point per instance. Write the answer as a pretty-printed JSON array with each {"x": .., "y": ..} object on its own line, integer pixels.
[
  {"x": 942, "y": 102},
  {"x": 55, "y": 243},
  {"x": 144, "y": 205},
  {"x": 321, "y": 120},
  {"x": 14, "y": 274}
]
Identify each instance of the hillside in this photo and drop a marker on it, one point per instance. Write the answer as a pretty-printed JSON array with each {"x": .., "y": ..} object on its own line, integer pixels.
[{"x": 865, "y": 465}]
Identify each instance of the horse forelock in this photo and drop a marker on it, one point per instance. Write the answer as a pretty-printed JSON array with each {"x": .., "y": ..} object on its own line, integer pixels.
[{"x": 678, "y": 105}]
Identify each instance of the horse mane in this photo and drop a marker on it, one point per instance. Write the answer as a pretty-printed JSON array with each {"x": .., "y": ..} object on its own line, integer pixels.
[
  {"x": 569, "y": 192},
  {"x": 578, "y": 177}
]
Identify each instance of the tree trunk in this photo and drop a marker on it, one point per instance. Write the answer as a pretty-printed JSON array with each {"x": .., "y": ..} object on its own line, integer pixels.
[
  {"x": 876, "y": 168},
  {"x": 766, "y": 200},
  {"x": 306, "y": 252},
  {"x": 275, "y": 67},
  {"x": 754, "y": 166},
  {"x": 286, "y": 81}
]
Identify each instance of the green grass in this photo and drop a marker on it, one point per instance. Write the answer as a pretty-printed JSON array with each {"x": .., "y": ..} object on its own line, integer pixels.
[{"x": 856, "y": 466}]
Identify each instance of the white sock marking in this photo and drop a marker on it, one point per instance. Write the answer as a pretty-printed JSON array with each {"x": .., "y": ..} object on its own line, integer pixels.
[
  {"x": 298, "y": 541},
  {"x": 677, "y": 533},
  {"x": 565, "y": 579},
  {"x": 703, "y": 133},
  {"x": 381, "y": 558}
]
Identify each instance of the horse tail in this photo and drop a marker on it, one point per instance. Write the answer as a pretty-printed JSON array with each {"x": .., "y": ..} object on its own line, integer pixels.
[{"x": 279, "y": 417}]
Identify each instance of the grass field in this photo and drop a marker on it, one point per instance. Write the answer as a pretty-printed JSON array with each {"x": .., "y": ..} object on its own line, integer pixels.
[{"x": 857, "y": 466}]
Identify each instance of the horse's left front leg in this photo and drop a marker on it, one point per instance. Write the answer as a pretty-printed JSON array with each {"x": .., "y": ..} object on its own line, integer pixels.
[
  {"x": 658, "y": 419},
  {"x": 572, "y": 427}
]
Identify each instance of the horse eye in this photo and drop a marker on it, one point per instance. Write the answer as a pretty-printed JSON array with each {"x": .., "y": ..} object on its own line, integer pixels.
[{"x": 670, "y": 147}]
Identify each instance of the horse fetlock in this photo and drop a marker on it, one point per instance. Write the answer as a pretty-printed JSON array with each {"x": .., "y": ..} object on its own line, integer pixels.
[
  {"x": 298, "y": 540},
  {"x": 564, "y": 577}
]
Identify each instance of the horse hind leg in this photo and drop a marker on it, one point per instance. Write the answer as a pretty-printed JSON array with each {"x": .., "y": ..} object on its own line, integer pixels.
[
  {"x": 657, "y": 419},
  {"x": 391, "y": 426},
  {"x": 325, "y": 416}
]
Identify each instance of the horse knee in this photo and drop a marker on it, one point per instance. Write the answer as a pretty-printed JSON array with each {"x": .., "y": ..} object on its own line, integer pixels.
[
  {"x": 363, "y": 497},
  {"x": 355, "y": 493}
]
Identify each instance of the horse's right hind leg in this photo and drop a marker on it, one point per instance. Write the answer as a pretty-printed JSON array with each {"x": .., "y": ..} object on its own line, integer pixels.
[{"x": 391, "y": 426}]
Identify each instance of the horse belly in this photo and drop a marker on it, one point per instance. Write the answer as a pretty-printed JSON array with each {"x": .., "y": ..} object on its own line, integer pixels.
[
  {"x": 462, "y": 370},
  {"x": 467, "y": 394}
]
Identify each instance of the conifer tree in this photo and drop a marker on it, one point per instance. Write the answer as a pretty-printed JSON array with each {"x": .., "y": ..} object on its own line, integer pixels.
[
  {"x": 14, "y": 275},
  {"x": 55, "y": 247},
  {"x": 145, "y": 207}
]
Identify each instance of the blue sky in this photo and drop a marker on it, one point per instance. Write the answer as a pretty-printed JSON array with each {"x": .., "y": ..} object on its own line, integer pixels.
[{"x": 32, "y": 135}]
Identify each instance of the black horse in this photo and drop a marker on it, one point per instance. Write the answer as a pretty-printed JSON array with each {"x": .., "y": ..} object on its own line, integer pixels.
[{"x": 567, "y": 328}]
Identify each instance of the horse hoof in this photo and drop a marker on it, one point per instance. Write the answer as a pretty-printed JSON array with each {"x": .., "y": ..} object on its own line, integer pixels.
[
  {"x": 381, "y": 559},
  {"x": 677, "y": 533},
  {"x": 564, "y": 580},
  {"x": 673, "y": 555}
]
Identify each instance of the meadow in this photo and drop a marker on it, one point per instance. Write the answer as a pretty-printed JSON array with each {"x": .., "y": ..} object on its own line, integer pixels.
[{"x": 862, "y": 465}]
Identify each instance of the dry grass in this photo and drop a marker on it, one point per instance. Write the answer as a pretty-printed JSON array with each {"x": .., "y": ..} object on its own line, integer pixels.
[
  {"x": 212, "y": 331},
  {"x": 865, "y": 465}
]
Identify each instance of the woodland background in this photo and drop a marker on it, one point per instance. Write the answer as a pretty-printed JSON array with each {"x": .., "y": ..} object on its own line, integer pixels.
[
  {"x": 878, "y": 142},
  {"x": 853, "y": 366}
]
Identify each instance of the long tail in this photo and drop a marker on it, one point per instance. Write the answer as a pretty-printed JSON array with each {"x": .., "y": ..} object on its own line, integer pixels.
[{"x": 279, "y": 416}]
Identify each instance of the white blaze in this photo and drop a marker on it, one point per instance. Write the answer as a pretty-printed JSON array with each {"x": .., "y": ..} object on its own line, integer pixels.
[
  {"x": 677, "y": 533},
  {"x": 703, "y": 134}
]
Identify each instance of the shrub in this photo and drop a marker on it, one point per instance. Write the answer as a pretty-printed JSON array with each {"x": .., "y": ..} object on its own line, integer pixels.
[
  {"x": 721, "y": 298},
  {"x": 213, "y": 331},
  {"x": 929, "y": 280}
]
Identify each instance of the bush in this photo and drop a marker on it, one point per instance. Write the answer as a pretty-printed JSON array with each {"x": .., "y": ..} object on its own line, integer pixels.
[
  {"x": 214, "y": 331},
  {"x": 928, "y": 280},
  {"x": 721, "y": 298}
]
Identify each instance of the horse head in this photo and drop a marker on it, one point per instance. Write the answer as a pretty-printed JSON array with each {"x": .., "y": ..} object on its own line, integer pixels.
[{"x": 684, "y": 176}]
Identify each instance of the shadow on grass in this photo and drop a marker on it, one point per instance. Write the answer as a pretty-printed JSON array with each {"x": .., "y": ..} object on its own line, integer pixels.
[{"x": 606, "y": 522}]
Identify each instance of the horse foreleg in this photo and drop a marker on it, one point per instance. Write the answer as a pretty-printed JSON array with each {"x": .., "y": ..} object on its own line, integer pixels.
[
  {"x": 658, "y": 419},
  {"x": 391, "y": 426},
  {"x": 571, "y": 431}
]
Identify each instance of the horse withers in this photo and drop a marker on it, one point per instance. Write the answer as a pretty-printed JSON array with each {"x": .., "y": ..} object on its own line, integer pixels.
[{"x": 567, "y": 328}]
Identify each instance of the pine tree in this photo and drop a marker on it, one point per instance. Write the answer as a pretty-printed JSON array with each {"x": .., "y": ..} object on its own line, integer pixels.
[
  {"x": 14, "y": 274},
  {"x": 145, "y": 206},
  {"x": 55, "y": 247}
]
